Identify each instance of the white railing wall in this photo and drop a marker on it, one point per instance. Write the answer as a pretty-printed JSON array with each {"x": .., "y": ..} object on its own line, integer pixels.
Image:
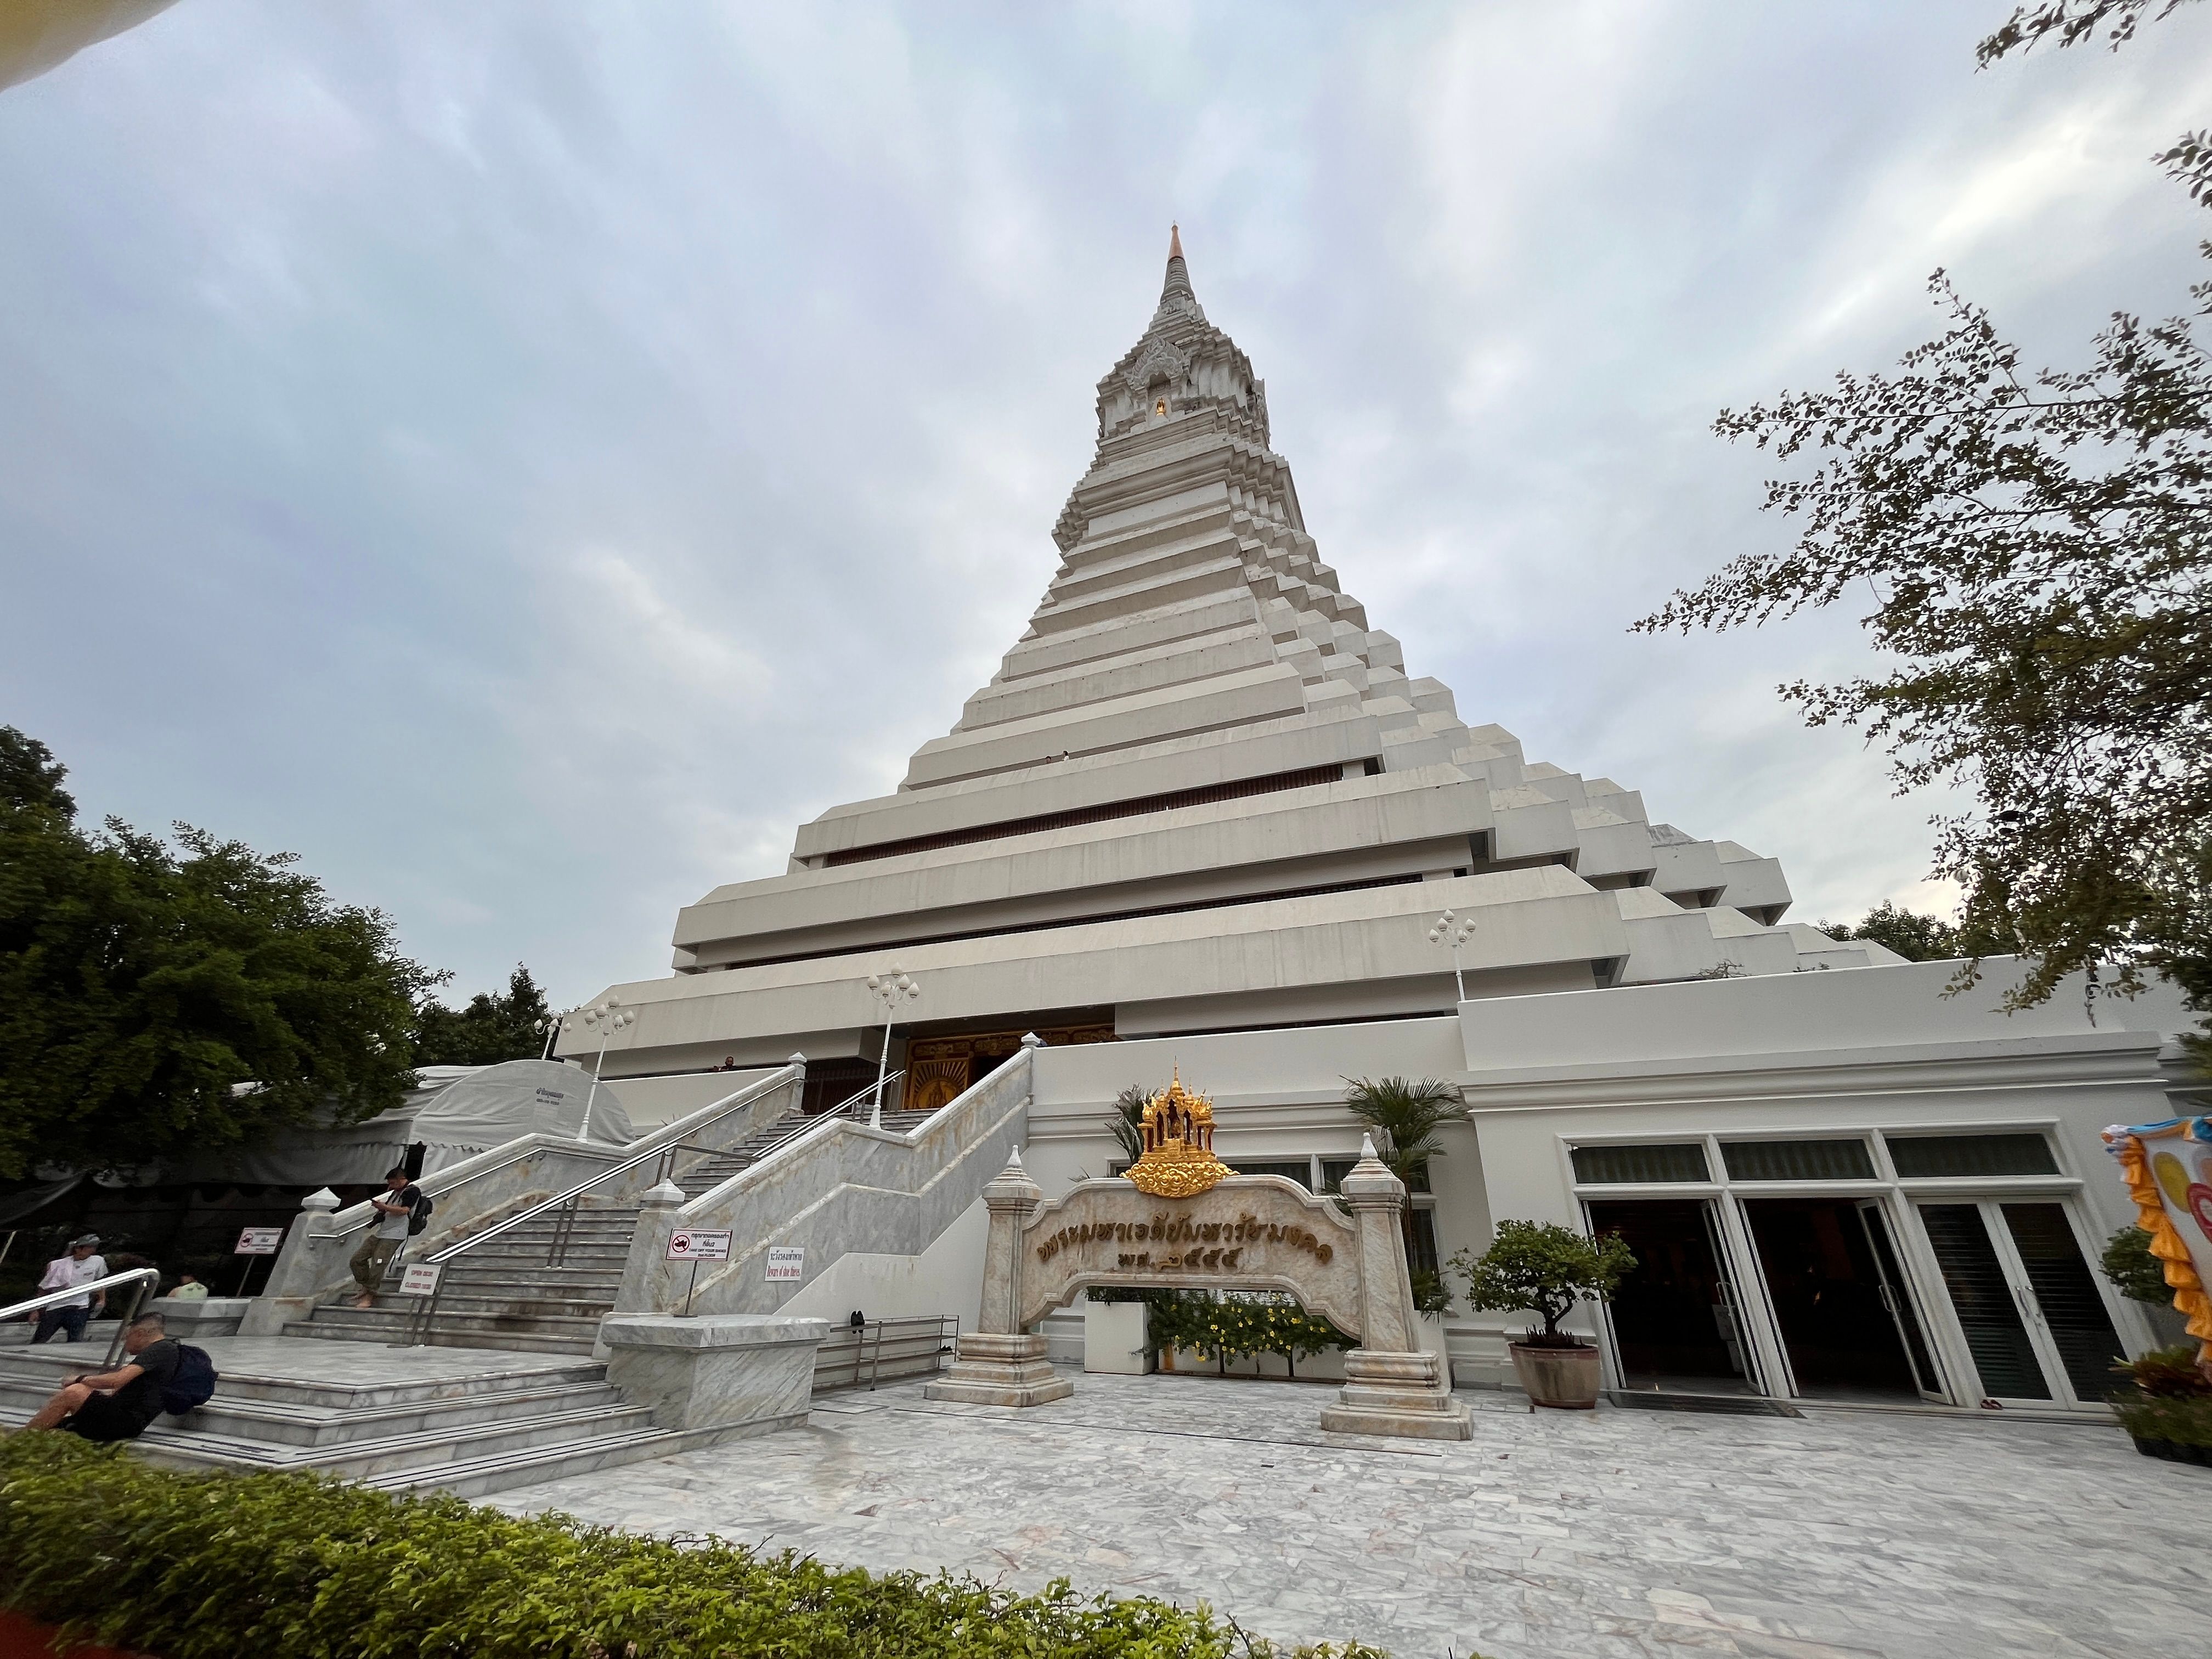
[
  {"x": 480, "y": 1191},
  {"x": 840, "y": 1187}
]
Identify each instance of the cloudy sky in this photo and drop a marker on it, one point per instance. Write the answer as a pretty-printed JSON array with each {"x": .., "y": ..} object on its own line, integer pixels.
[{"x": 525, "y": 457}]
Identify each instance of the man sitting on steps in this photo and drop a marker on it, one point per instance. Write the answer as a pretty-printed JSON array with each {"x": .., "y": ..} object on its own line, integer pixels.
[
  {"x": 117, "y": 1404},
  {"x": 393, "y": 1206}
]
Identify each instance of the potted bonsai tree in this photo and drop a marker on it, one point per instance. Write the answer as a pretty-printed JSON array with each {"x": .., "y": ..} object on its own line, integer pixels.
[{"x": 1546, "y": 1268}]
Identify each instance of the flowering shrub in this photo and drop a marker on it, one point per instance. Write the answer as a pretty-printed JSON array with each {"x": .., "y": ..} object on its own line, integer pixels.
[{"x": 1240, "y": 1325}]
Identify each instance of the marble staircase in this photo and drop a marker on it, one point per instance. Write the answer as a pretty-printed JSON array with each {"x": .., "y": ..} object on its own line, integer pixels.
[
  {"x": 461, "y": 1420},
  {"x": 507, "y": 1294},
  {"x": 713, "y": 1170}
]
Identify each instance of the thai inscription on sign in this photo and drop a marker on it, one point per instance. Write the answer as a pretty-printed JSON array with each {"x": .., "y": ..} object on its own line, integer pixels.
[{"x": 1174, "y": 1243}]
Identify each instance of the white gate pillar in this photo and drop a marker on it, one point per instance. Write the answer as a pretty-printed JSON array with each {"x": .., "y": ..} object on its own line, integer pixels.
[
  {"x": 1000, "y": 1364},
  {"x": 1391, "y": 1387}
]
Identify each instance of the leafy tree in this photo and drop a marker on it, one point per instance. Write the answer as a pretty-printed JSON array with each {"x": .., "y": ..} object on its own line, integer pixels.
[
  {"x": 1911, "y": 935},
  {"x": 165, "y": 996},
  {"x": 2036, "y": 544},
  {"x": 490, "y": 1029},
  {"x": 1545, "y": 1268}
]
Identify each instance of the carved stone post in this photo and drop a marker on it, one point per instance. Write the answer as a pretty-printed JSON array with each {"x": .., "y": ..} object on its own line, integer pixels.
[
  {"x": 643, "y": 1273},
  {"x": 1391, "y": 1387},
  {"x": 303, "y": 1267},
  {"x": 999, "y": 1364}
]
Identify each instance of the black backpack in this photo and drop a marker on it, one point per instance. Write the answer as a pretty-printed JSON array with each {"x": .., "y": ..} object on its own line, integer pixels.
[
  {"x": 419, "y": 1216},
  {"x": 191, "y": 1384}
]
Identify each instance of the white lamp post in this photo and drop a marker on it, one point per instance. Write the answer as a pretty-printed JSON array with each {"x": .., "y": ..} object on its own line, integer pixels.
[
  {"x": 890, "y": 990},
  {"x": 613, "y": 1018},
  {"x": 1454, "y": 931},
  {"x": 553, "y": 1025}
]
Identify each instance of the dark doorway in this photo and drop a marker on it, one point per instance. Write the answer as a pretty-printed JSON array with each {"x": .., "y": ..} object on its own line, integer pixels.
[
  {"x": 1673, "y": 1318},
  {"x": 1826, "y": 1286}
]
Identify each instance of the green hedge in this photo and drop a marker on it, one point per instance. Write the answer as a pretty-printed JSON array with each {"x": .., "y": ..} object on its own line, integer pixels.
[{"x": 211, "y": 1566}]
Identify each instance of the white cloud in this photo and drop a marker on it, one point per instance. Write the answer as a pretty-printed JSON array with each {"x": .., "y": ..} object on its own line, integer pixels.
[{"x": 527, "y": 458}]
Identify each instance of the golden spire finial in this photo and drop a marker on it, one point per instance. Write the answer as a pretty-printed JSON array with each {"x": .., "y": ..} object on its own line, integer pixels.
[{"x": 1175, "y": 241}]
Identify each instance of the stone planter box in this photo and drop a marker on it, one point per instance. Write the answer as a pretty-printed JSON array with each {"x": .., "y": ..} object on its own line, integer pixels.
[
  {"x": 2174, "y": 1451},
  {"x": 1564, "y": 1379}
]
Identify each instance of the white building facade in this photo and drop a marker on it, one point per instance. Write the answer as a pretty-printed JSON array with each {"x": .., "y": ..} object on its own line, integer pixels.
[{"x": 1203, "y": 818}]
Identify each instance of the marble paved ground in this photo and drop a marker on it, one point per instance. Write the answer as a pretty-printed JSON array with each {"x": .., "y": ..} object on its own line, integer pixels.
[{"x": 1548, "y": 1537}]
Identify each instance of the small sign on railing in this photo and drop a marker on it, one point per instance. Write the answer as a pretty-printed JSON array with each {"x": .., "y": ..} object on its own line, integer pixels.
[
  {"x": 786, "y": 1264},
  {"x": 259, "y": 1241},
  {"x": 691, "y": 1244},
  {"x": 420, "y": 1278}
]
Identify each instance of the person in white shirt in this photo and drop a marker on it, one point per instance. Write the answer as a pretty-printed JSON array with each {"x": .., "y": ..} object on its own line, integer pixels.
[{"x": 80, "y": 1265}]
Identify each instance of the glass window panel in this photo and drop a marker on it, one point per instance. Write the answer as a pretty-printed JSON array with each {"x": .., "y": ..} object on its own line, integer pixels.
[
  {"x": 1683, "y": 1162},
  {"x": 1421, "y": 1256},
  {"x": 1936, "y": 1156},
  {"x": 1334, "y": 1170},
  {"x": 2074, "y": 1313},
  {"x": 1298, "y": 1169},
  {"x": 1797, "y": 1160},
  {"x": 1996, "y": 1334}
]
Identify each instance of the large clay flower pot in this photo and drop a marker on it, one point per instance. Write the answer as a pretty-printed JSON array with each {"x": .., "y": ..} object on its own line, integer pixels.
[{"x": 1565, "y": 1379}]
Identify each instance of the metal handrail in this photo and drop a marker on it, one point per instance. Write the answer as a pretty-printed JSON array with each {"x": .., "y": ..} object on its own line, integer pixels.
[
  {"x": 737, "y": 1100},
  {"x": 128, "y": 1276},
  {"x": 843, "y": 1109},
  {"x": 499, "y": 1229}
]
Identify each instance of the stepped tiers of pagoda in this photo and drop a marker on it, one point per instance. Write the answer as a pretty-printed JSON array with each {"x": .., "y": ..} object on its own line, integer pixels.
[{"x": 1201, "y": 793}]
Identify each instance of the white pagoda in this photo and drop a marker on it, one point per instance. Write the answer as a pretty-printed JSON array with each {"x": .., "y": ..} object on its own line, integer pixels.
[{"x": 1201, "y": 793}]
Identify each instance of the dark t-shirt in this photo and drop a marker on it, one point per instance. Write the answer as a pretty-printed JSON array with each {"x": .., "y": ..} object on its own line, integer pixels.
[{"x": 141, "y": 1395}]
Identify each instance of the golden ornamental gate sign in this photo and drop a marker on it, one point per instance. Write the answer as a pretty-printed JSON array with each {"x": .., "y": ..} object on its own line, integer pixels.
[{"x": 1237, "y": 1233}]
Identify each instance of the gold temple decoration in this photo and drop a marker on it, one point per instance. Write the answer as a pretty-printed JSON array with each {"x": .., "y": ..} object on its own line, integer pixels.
[{"x": 1176, "y": 1132}]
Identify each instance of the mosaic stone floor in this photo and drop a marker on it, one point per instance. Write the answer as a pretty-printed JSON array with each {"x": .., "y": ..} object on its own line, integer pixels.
[{"x": 1548, "y": 1537}]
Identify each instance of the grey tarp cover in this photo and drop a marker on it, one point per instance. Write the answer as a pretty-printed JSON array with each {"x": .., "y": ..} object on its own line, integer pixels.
[{"x": 459, "y": 1112}]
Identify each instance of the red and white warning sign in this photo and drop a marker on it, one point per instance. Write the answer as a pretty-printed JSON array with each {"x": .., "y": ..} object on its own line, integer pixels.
[{"x": 689, "y": 1245}]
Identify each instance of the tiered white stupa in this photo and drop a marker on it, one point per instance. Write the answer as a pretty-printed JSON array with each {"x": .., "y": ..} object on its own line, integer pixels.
[{"x": 1200, "y": 794}]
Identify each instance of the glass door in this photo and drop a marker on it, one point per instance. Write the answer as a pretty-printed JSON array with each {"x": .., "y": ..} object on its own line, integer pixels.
[
  {"x": 2068, "y": 1308},
  {"x": 1897, "y": 1297},
  {"x": 2032, "y": 1317}
]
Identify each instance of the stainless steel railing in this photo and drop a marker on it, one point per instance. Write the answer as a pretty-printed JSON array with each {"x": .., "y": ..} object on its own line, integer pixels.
[
  {"x": 136, "y": 1276},
  {"x": 420, "y": 1321},
  {"x": 885, "y": 1350}
]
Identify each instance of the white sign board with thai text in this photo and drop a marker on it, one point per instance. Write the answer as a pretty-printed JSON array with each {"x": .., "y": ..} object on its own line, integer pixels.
[
  {"x": 419, "y": 1280},
  {"x": 690, "y": 1244},
  {"x": 786, "y": 1264},
  {"x": 259, "y": 1241}
]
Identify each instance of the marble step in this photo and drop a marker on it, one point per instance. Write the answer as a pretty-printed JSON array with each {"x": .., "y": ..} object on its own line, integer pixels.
[
  {"x": 475, "y": 1477},
  {"x": 443, "y": 1443},
  {"x": 553, "y": 1334},
  {"x": 46, "y": 1367},
  {"x": 476, "y": 1274},
  {"x": 595, "y": 1257},
  {"x": 294, "y": 1423},
  {"x": 489, "y": 1300}
]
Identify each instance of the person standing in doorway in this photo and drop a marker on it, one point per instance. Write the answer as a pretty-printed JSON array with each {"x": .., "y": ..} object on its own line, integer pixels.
[
  {"x": 80, "y": 1265},
  {"x": 393, "y": 1206}
]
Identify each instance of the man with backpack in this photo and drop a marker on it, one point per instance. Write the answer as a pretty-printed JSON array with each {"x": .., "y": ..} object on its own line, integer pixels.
[
  {"x": 159, "y": 1374},
  {"x": 395, "y": 1208}
]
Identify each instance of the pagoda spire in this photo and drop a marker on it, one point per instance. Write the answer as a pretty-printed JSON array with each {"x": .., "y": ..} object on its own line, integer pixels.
[{"x": 1177, "y": 288}]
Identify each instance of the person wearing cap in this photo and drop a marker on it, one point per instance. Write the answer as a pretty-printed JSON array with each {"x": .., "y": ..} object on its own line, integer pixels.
[{"x": 83, "y": 1265}]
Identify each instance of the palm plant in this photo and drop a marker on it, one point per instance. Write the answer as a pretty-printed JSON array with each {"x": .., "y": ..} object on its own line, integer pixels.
[
  {"x": 1128, "y": 1115},
  {"x": 1407, "y": 1118}
]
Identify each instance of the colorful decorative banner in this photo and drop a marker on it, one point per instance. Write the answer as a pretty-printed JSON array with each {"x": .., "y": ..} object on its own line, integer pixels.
[{"x": 2168, "y": 1167}]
